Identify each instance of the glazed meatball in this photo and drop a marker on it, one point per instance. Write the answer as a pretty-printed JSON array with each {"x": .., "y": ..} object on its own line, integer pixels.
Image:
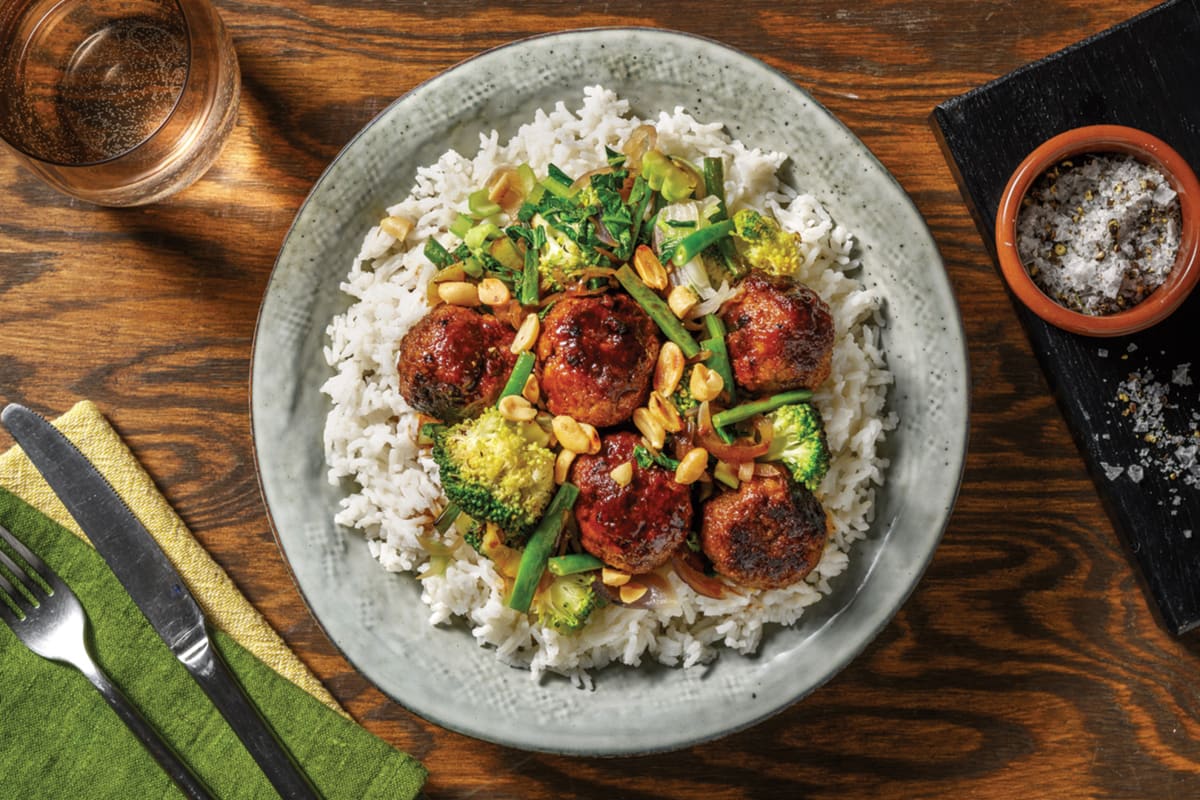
[
  {"x": 635, "y": 527},
  {"x": 767, "y": 534},
  {"x": 453, "y": 361},
  {"x": 597, "y": 356},
  {"x": 780, "y": 335}
]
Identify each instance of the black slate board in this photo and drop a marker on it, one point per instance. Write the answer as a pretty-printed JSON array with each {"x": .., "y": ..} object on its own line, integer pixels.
[{"x": 1144, "y": 73}]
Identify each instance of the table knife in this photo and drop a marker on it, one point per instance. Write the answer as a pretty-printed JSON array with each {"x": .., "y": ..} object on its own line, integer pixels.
[{"x": 155, "y": 586}]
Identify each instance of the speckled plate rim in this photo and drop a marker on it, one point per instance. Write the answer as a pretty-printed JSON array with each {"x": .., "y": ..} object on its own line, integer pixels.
[{"x": 432, "y": 671}]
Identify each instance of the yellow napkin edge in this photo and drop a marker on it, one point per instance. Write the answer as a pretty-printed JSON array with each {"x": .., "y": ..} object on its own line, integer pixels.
[{"x": 219, "y": 598}]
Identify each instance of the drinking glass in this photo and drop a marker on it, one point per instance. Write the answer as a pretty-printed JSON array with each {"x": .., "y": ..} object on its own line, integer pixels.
[{"x": 117, "y": 102}]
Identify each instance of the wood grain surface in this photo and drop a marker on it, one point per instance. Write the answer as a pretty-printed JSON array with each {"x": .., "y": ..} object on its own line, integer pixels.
[{"x": 1026, "y": 664}]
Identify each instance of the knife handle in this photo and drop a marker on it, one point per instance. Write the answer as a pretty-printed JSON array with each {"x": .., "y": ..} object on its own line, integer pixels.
[
  {"x": 183, "y": 777},
  {"x": 214, "y": 677}
]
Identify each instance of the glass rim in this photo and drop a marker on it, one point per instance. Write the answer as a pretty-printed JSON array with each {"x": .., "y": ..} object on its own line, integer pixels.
[{"x": 181, "y": 7}]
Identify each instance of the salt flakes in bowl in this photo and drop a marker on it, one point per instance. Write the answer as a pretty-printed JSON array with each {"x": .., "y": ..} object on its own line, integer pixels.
[
  {"x": 1098, "y": 230},
  {"x": 1099, "y": 233}
]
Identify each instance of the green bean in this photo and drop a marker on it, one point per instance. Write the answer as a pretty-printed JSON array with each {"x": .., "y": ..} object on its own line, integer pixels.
[
  {"x": 541, "y": 543},
  {"x": 657, "y": 308}
]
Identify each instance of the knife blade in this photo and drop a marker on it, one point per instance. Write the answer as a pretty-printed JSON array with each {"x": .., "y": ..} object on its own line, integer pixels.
[{"x": 155, "y": 586}]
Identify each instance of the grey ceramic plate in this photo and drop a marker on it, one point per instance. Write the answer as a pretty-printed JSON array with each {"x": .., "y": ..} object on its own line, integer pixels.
[{"x": 377, "y": 618}]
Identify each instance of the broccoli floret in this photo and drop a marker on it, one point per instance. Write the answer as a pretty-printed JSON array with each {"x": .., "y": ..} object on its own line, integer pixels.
[
  {"x": 473, "y": 536},
  {"x": 798, "y": 440},
  {"x": 566, "y": 602},
  {"x": 495, "y": 470},
  {"x": 764, "y": 245}
]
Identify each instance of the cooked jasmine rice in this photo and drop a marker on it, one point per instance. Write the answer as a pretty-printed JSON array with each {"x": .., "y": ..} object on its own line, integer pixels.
[{"x": 370, "y": 433}]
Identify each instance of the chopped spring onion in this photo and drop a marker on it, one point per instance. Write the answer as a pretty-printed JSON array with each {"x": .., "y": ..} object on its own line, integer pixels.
[
  {"x": 447, "y": 517},
  {"x": 519, "y": 375}
]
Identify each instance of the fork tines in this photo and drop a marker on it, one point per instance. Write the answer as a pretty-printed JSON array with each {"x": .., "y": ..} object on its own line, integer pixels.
[{"x": 29, "y": 589}]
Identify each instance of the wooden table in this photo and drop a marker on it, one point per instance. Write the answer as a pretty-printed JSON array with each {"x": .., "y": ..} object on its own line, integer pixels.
[{"x": 1026, "y": 664}]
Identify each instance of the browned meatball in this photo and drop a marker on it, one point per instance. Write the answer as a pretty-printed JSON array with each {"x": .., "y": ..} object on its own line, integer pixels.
[
  {"x": 780, "y": 335},
  {"x": 597, "y": 356},
  {"x": 635, "y": 527},
  {"x": 768, "y": 534},
  {"x": 453, "y": 361}
]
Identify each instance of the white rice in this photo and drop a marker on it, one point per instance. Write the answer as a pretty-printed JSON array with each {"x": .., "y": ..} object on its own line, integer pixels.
[{"x": 370, "y": 431}]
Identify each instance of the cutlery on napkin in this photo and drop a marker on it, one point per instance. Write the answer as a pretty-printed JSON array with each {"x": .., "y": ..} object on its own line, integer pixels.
[{"x": 60, "y": 738}]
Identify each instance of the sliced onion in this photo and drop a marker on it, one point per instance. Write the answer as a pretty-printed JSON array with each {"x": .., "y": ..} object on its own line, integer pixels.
[
  {"x": 694, "y": 577},
  {"x": 643, "y": 139},
  {"x": 658, "y": 591},
  {"x": 741, "y": 450}
]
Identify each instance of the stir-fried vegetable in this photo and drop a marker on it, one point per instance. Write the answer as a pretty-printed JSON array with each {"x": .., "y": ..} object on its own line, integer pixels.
[
  {"x": 538, "y": 548},
  {"x": 658, "y": 310},
  {"x": 493, "y": 470},
  {"x": 575, "y": 235}
]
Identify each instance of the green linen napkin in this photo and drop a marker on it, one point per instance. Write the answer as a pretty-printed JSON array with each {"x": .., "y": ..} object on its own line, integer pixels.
[{"x": 59, "y": 739}]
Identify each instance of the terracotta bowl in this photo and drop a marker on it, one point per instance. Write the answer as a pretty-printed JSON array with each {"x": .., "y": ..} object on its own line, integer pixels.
[{"x": 1103, "y": 139}]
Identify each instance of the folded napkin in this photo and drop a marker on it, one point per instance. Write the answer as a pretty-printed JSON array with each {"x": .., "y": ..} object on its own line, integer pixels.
[{"x": 58, "y": 738}]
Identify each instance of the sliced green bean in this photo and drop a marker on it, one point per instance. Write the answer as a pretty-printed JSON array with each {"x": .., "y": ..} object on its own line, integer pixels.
[{"x": 658, "y": 310}]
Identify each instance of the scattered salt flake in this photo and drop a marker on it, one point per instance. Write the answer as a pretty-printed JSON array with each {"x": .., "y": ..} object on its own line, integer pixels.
[
  {"x": 1150, "y": 409},
  {"x": 1102, "y": 352},
  {"x": 1187, "y": 533},
  {"x": 1111, "y": 472},
  {"x": 1136, "y": 473},
  {"x": 1132, "y": 348}
]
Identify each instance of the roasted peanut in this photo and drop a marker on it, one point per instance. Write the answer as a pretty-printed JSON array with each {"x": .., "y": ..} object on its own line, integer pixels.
[
  {"x": 705, "y": 384},
  {"x": 665, "y": 412},
  {"x": 668, "y": 371},
  {"x": 632, "y": 592},
  {"x": 681, "y": 300},
  {"x": 649, "y": 268},
  {"x": 562, "y": 465},
  {"x": 579, "y": 437},
  {"x": 398, "y": 227},
  {"x": 649, "y": 427},
  {"x": 531, "y": 391},
  {"x": 527, "y": 334},
  {"x": 504, "y": 188},
  {"x": 458, "y": 293},
  {"x": 493, "y": 292},
  {"x": 516, "y": 408},
  {"x": 622, "y": 473},
  {"x": 692, "y": 466},
  {"x": 613, "y": 577}
]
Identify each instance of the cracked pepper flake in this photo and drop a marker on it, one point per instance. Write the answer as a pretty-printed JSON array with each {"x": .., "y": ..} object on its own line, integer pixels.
[{"x": 1100, "y": 233}]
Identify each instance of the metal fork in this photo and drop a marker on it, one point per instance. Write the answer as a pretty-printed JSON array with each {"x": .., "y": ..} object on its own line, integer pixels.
[{"x": 53, "y": 624}]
